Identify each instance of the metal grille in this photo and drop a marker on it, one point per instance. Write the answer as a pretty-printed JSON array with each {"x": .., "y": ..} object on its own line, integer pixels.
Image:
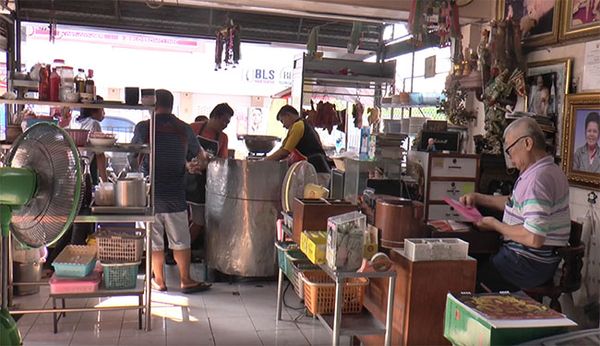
[{"x": 50, "y": 152}]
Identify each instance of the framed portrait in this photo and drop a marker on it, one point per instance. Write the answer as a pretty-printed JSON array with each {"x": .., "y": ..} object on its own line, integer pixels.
[
  {"x": 581, "y": 18},
  {"x": 581, "y": 152},
  {"x": 539, "y": 19},
  {"x": 547, "y": 85}
]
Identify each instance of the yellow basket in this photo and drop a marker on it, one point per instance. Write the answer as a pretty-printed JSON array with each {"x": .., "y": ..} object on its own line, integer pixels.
[{"x": 319, "y": 293}]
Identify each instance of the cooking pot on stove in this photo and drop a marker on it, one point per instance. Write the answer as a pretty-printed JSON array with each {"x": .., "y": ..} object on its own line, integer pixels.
[
  {"x": 399, "y": 218},
  {"x": 130, "y": 192},
  {"x": 259, "y": 144}
]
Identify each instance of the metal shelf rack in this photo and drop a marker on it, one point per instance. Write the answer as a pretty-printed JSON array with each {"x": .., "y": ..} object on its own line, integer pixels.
[
  {"x": 143, "y": 289},
  {"x": 351, "y": 324}
]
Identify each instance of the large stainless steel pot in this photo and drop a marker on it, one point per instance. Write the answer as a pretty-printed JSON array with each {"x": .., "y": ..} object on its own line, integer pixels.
[
  {"x": 130, "y": 192},
  {"x": 242, "y": 206},
  {"x": 259, "y": 144}
]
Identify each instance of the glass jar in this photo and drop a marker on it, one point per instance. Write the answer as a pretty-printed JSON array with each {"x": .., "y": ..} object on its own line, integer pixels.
[{"x": 67, "y": 85}]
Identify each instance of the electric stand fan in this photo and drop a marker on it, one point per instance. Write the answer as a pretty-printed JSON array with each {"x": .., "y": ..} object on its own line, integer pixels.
[{"x": 40, "y": 195}]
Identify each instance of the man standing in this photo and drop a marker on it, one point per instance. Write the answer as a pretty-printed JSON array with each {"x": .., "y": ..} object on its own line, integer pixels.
[
  {"x": 175, "y": 145},
  {"x": 301, "y": 143},
  {"x": 536, "y": 216}
]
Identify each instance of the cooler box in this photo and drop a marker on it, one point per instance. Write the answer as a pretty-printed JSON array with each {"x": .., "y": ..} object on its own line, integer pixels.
[{"x": 499, "y": 319}]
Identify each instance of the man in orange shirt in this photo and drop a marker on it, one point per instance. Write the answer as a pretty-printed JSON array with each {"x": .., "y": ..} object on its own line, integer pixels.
[{"x": 214, "y": 141}]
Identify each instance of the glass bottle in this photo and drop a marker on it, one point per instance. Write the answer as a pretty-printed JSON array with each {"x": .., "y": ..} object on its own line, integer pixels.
[
  {"x": 80, "y": 81},
  {"x": 90, "y": 88},
  {"x": 86, "y": 182}
]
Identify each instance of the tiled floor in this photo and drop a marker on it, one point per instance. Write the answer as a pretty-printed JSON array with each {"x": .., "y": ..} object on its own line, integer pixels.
[{"x": 236, "y": 314}]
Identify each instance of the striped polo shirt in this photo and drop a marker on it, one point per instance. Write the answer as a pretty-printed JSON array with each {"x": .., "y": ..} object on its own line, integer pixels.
[{"x": 540, "y": 202}]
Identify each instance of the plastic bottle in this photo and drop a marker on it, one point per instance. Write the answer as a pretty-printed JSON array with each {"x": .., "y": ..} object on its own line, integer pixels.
[
  {"x": 80, "y": 81},
  {"x": 54, "y": 85},
  {"x": 44, "y": 84},
  {"x": 90, "y": 88},
  {"x": 67, "y": 86}
]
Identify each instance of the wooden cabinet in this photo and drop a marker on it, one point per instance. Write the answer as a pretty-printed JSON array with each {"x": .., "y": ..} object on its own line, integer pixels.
[
  {"x": 439, "y": 175},
  {"x": 420, "y": 298}
]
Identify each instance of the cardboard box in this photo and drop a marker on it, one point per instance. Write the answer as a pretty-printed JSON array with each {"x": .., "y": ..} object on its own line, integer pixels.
[
  {"x": 499, "y": 319},
  {"x": 314, "y": 244}
]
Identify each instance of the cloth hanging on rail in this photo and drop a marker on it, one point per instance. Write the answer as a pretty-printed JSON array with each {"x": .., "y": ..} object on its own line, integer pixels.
[{"x": 588, "y": 297}]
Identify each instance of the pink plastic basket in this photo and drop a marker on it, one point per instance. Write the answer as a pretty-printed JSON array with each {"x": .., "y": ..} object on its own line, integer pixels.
[{"x": 87, "y": 284}]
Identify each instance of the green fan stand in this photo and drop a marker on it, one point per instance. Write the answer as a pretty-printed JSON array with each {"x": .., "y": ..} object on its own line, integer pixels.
[{"x": 17, "y": 187}]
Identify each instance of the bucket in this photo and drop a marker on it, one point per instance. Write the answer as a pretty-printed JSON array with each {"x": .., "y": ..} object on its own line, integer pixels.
[{"x": 27, "y": 272}]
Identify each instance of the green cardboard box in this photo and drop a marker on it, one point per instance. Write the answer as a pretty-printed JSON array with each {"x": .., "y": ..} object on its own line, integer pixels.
[{"x": 499, "y": 319}]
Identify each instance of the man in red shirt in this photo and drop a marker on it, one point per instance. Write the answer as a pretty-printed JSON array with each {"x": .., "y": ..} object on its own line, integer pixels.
[{"x": 214, "y": 141}]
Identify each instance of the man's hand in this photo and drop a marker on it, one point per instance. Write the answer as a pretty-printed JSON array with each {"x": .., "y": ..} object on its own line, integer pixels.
[
  {"x": 487, "y": 223},
  {"x": 198, "y": 163},
  {"x": 470, "y": 199}
]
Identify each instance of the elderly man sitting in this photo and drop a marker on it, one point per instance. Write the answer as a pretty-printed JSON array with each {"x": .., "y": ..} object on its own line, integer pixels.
[{"x": 536, "y": 215}]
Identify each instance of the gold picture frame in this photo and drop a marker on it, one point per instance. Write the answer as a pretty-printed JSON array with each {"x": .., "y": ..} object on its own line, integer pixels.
[
  {"x": 560, "y": 72},
  {"x": 578, "y": 112},
  {"x": 583, "y": 22},
  {"x": 546, "y": 25}
]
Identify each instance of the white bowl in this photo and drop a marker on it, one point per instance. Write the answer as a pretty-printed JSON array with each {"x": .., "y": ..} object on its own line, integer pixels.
[{"x": 102, "y": 142}]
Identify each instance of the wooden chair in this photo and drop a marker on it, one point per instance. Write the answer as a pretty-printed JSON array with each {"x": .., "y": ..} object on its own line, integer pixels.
[{"x": 570, "y": 271}]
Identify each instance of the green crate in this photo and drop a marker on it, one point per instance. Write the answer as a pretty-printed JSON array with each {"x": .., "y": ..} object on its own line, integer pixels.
[{"x": 119, "y": 276}]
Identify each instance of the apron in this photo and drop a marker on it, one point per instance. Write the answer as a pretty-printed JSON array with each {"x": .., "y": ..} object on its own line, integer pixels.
[{"x": 196, "y": 183}]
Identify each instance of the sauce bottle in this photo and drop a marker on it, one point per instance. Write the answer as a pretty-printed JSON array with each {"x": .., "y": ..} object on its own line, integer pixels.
[
  {"x": 90, "y": 88},
  {"x": 54, "y": 85},
  {"x": 44, "y": 84},
  {"x": 80, "y": 81}
]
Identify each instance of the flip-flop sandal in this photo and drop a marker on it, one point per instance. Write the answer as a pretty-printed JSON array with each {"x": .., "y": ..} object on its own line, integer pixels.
[
  {"x": 157, "y": 287},
  {"x": 201, "y": 286}
]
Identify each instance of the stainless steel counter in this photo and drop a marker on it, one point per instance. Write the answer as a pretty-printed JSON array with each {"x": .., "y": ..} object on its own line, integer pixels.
[{"x": 243, "y": 201}]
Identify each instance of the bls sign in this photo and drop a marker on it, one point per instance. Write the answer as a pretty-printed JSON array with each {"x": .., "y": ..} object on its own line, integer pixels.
[{"x": 260, "y": 75}]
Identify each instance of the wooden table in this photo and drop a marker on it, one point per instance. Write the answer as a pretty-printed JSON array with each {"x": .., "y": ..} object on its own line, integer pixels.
[{"x": 420, "y": 298}]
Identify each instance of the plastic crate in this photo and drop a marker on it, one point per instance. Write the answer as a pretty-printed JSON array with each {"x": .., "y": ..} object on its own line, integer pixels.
[
  {"x": 88, "y": 284},
  {"x": 319, "y": 293},
  {"x": 120, "y": 244},
  {"x": 119, "y": 276},
  {"x": 282, "y": 248},
  {"x": 299, "y": 267},
  {"x": 75, "y": 261},
  {"x": 291, "y": 256}
]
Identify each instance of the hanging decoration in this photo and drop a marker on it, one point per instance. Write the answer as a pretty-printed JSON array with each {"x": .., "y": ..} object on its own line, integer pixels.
[
  {"x": 505, "y": 80},
  {"x": 313, "y": 41},
  {"x": 355, "y": 37},
  {"x": 454, "y": 103},
  {"x": 227, "y": 42}
]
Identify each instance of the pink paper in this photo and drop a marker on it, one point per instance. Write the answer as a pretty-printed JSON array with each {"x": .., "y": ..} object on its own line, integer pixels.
[{"x": 470, "y": 214}]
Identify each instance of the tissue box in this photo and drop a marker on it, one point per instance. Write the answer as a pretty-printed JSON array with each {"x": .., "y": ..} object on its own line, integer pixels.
[
  {"x": 345, "y": 241},
  {"x": 499, "y": 319},
  {"x": 436, "y": 249}
]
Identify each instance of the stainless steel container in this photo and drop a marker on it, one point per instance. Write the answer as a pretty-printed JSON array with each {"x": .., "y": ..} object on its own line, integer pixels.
[
  {"x": 130, "y": 192},
  {"x": 243, "y": 201}
]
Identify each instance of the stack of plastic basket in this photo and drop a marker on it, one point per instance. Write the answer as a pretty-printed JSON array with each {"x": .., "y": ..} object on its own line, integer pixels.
[
  {"x": 120, "y": 253},
  {"x": 74, "y": 271}
]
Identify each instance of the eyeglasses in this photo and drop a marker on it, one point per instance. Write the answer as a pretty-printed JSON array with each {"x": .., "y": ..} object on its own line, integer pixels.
[{"x": 507, "y": 150}]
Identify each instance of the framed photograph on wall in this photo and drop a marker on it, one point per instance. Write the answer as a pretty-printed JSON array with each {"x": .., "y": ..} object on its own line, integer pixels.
[
  {"x": 547, "y": 84},
  {"x": 581, "y": 19},
  {"x": 539, "y": 19},
  {"x": 581, "y": 151}
]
